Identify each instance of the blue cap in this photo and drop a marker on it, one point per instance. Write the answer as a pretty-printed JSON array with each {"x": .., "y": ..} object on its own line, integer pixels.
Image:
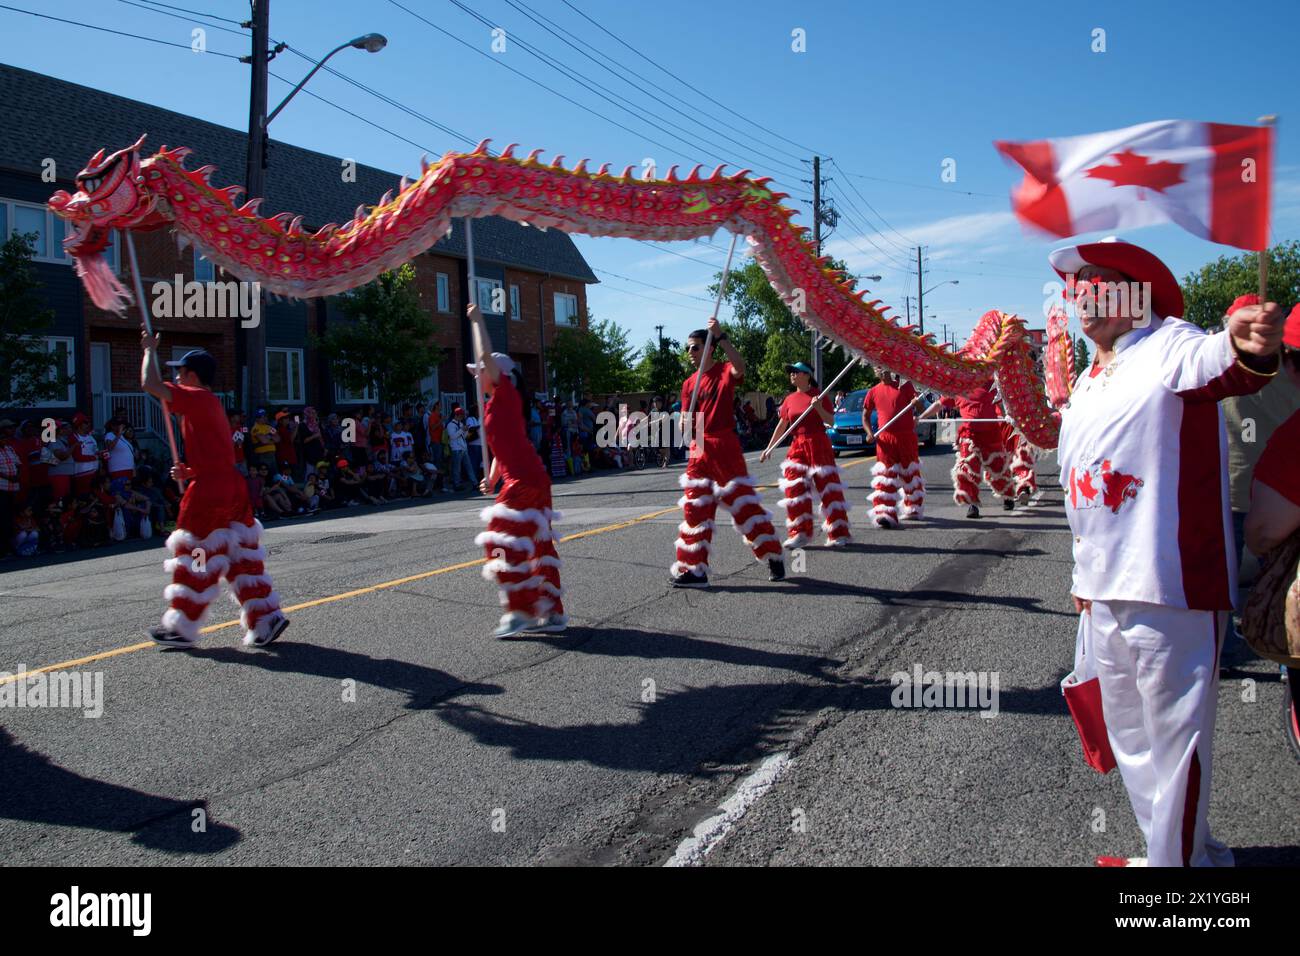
[
  {"x": 799, "y": 367},
  {"x": 200, "y": 363}
]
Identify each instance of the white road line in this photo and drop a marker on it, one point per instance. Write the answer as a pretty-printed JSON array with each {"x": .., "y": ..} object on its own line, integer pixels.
[{"x": 693, "y": 850}]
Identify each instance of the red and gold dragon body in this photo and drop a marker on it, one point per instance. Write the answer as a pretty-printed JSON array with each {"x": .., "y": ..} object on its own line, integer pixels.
[{"x": 125, "y": 192}]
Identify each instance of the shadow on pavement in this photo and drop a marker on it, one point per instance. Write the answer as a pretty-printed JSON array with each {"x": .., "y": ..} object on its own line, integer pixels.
[
  {"x": 39, "y": 791},
  {"x": 424, "y": 686}
]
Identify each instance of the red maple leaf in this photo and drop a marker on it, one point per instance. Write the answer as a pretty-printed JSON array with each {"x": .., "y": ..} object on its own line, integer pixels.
[{"x": 1134, "y": 169}]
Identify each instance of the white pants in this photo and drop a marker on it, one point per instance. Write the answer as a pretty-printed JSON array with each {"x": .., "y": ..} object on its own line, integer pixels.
[{"x": 1159, "y": 673}]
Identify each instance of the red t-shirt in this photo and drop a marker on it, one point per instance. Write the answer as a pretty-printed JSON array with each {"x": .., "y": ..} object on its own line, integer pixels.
[
  {"x": 717, "y": 400},
  {"x": 206, "y": 430},
  {"x": 1279, "y": 466},
  {"x": 887, "y": 401},
  {"x": 979, "y": 404},
  {"x": 284, "y": 449},
  {"x": 503, "y": 423},
  {"x": 794, "y": 406}
]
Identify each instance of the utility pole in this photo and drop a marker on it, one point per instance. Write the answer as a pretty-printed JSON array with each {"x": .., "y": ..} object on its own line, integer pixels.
[
  {"x": 255, "y": 181},
  {"x": 816, "y": 362},
  {"x": 660, "y": 330},
  {"x": 920, "y": 293}
]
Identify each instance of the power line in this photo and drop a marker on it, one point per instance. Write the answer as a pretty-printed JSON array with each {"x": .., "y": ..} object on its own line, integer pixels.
[
  {"x": 857, "y": 193},
  {"x": 942, "y": 189},
  {"x": 806, "y": 151},
  {"x": 500, "y": 62},
  {"x": 121, "y": 33},
  {"x": 579, "y": 46},
  {"x": 603, "y": 93},
  {"x": 651, "y": 285},
  {"x": 190, "y": 19},
  {"x": 210, "y": 16},
  {"x": 344, "y": 109}
]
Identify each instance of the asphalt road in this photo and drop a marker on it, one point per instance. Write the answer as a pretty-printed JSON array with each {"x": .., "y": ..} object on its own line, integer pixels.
[{"x": 388, "y": 726}]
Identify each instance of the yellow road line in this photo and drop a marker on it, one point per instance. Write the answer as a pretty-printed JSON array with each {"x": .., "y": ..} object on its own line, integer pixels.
[
  {"x": 328, "y": 600},
  {"x": 91, "y": 659}
]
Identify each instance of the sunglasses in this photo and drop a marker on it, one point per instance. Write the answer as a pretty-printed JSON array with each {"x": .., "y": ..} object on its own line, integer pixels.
[{"x": 694, "y": 348}]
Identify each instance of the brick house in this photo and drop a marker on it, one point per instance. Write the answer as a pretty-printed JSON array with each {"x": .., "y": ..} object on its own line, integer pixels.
[{"x": 542, "y": 275}]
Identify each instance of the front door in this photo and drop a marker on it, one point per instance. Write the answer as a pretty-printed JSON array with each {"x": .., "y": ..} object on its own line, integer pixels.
[{"x": 101, "y": 383}]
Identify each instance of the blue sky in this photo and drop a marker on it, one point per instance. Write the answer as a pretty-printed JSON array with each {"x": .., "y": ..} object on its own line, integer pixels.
[{"x": 886, "y": 91}]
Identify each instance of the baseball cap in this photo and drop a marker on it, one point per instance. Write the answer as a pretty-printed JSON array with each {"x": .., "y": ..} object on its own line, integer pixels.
[
  {"x": 799, "y": 367},
  {"x": 200, "y": 362},
  {"x": 504, "y": 362}
]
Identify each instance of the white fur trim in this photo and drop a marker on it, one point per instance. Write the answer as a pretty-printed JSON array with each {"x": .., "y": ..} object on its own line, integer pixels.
[
  {"x": 269, "y": 603},
  {"x": 534, "y": 516},
  {"x": 831, "y": 488},
  {"x": 788, "y": 503},
  {"x": 215, "y": 566},
  {"x": 696, "y": 546},
  {"x": 832, "y": 507},
  {"x": 822, "y": 470},
  {"x": 546, "y": 587},
  {"x": 684, "y": 528},
  {"x": 261, "y": 628},
  {"x": 243, "y": 581},
  {"x": 760, "y": 540},
  {"x": 534, "y": 582},
  {"x": 549, "y": 561},
  {"x": 246, "y": 534},
  {"x": 785, "y": 484},
  {"x": 249, "y": 554},
  {"x": 501, "y": 540},
  {"x": 752, "y": 522},
  {"x": 685, "y": 481},
  {"x": 744, "y": 481},
  {"x": 499, "y": 566},
  {"x": 174, "y": 620},
  {"x": 683, "y": 501},
  {"x": 879, "y": 468},
  {"x": 742, "y": 502},
  {"x": 176, "y": 592},
  {"x": 796, "y": 465},
  {"x": 679, "y": 567},
  {"x": 829, "y": 526},
  {"x": 798, "y": 541},
  {"x": 181, "y": 541}
]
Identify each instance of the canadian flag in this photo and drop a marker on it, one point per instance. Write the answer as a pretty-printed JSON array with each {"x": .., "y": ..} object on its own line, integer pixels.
[{"x": 1209, "y": 178}]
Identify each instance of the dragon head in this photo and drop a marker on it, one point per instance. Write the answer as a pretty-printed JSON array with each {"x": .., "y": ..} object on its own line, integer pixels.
[{"x": 109, "y": 196}]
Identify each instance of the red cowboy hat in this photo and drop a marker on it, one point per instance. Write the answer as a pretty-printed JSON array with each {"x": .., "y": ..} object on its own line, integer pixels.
[
  {"x": 1128, "y": 259},
  {"x": 1291, "y": 332}
]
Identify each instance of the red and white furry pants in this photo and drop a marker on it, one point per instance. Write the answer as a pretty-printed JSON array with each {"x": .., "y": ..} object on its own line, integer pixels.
[
  {"x": 981, "y": 454},
  {"x": 716, "y": 474},
  {"x": 1022, "y": 462},
  {"x": 897, "y": 485},
  {"x": 520, "y": 548},
  {"x": 217, "y": 536},
  {"x": 810, "y": 470}
]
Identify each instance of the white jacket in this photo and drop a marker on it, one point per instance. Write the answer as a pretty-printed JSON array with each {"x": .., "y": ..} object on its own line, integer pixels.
[{"x": 1143, "y": 456}]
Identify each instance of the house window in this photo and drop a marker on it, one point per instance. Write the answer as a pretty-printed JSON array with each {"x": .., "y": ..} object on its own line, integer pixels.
[
  {"x": 63, "y": 347},
  {"x": 342, "y": 396},
  {"x": 514, "y": 303},
  {"x": 491, "y": 296},
  {"x": 284, "y": 376},
  {"x": 50, "y": 230},
  {"x": 566, "y": 309},
  {"x": 204, "y": 271},
  {"x": 444, "y": 292}
]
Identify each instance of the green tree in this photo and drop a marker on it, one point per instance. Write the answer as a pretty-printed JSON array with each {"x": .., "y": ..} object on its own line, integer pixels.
[
  {"x": 769, "y": 336},
  {"x": 386, "y": 340},
  {"x": 662, "y": 370},
  {"x": 1082, "y": 360},
  {"x": 595, "y": 359},
  {"x": 29, "y": 373},
  {"x": 1208, "y": 292}
]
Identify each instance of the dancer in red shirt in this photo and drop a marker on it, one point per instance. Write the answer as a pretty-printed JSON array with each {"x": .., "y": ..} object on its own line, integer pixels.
[
  {"x": 716, "y": 472},
  {"x": 519, "y": 542},
  {"x": 810, "y": 466},
  {"x": 216, "y": 534},
  {"x": 896, "y": 478},
  {"x": 980, "y": 450}
]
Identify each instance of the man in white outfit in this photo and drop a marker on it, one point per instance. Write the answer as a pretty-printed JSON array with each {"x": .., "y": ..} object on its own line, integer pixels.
[{"x": 1143, "y": 456}]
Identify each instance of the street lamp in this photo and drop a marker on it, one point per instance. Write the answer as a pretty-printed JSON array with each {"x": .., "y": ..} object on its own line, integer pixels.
[
  {"x": 920, "y": 296},
  {"x": 946, "y": 282},
  {"x": 371, "y": 43},
  {"x": 255, "y": 180}
]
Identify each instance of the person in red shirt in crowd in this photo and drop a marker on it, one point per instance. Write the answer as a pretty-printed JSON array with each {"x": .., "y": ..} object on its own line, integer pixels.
[
  {"x": 216, "y": 534},
  {"x": 810, "y": 465},
  {"x": 286, "y": 434},
  {"x": 239, "y": 439},
  {"x": 980, "y": 451},
  {"x": 1275, "y": 492},
  {"x": 716, "y": 472},
  {"x": 896, "y": 477},
  {"x": 85, "y": 454},
  {"x": 519, "y": 540}
]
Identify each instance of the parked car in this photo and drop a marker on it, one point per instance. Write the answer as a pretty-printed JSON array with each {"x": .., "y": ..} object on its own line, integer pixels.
[{"x": 846, "y": 432}]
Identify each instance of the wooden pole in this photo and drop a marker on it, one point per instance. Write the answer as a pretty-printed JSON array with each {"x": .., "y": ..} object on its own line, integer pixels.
[
  {"x": 795, "y": 424},
  {"x": 479, "y": 347},
  {"x": 148, "y": 327},
  {"x": 708, "y": 338}
]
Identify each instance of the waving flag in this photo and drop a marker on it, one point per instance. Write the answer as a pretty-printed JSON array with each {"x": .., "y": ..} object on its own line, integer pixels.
[{"x": 1211, "y": 179}]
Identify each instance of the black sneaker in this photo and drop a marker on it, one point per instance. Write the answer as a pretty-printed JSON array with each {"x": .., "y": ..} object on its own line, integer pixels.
[
  {"x": 277, "y": 628},
  {"x": 1008, "y": 504},
  {"x": 169, "y": 638},
  {"x": 776, "y": 569},
  {"x": 688, "y": 579},
  {"x": 972, "y": 512}
]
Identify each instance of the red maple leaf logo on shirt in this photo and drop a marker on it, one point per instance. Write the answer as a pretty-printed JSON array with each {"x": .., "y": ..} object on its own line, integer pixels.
[{"x": 1134, "y": 169}]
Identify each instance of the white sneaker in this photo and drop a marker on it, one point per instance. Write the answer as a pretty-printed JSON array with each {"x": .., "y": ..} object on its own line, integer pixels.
[
  {"x": 512, "y": 624},
  {"x": 555, "y": 624}
]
